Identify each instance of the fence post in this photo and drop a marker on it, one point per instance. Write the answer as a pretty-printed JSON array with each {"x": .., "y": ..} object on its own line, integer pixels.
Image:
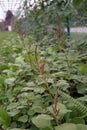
[{"x": 68, "y": 26}]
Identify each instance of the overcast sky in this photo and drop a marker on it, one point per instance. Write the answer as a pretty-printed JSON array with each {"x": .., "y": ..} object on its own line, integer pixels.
[{"x": 9, "y": 5}]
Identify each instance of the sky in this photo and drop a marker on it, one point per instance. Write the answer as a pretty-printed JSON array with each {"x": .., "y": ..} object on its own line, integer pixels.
[
  {"x": 8, "y": 5},
  {"x": 12, "y": 5}
]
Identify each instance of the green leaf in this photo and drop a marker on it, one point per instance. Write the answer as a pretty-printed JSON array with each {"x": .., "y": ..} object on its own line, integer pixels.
[
  {"x": 20, "y": 60},
  {"x": 62, "y": 110},
  {"x": 70, "y": 126},
  {"x": 4, "y": 117},
  {"x": 39, "y": 90},
  {"x": 77, "y": 2},
  {"x": 84, "y": 98},
  {"x": 23, "y": 118},
  {"x": 81, "y": 127},
  {"x": 66, "y": 126},
  {"x": 12, "y": 106},
  {"x": 14, "y": 112},
  {"x": 77, "y": 120},
  {"x": 10, "y": 81},
  {"x": 83, "y": 68},
  {"x": 61, "y": 74},
  {"x": 42, "y": 121},
  {"x": 18, "y": 129},
  {"x": 30, "y": 84},
  {"x": 46, "y": 128},
  {"x": 63, "y": 84},
  {"x": 35, "y": 109}
]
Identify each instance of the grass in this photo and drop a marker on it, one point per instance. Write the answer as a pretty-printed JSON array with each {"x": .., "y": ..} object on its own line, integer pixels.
[
  {"x": 79, "y": 36},
  {"x": 75, "y": 36},
  {"x": 5, "y": 35}
]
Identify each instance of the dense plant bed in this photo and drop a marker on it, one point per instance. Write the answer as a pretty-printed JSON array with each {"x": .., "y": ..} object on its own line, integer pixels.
[{"x": 42, "y": 86}]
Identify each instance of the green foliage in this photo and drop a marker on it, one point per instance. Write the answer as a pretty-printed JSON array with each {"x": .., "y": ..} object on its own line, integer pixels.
[
  {"x": 5, "y": 35},
  {"x": 4, "y": 118},
  {"x": 77, "y": 2},
  {"x": 17, "y": 129},
  {"x": 43, "y": 75},
  {"x": 33, "y": 77},
  {"x": 76, "y": 104},
  {"x": 49, "y": 17},
  {"x": 69, "y": 126},
  {"x": 46, "y": 17},
  {"x": 42, "y": 121}
]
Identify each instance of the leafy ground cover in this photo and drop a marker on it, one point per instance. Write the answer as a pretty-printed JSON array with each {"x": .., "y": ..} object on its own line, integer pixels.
[
  {"x": 5, "y": 35},
  {"x": 43, "y": 86}
]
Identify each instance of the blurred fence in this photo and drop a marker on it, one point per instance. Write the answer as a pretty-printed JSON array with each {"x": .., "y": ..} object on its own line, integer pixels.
[{"x": 77, "y": 26}]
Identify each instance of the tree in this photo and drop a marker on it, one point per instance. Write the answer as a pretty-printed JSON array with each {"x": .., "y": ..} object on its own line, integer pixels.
[{"x": 48, "y": 17}]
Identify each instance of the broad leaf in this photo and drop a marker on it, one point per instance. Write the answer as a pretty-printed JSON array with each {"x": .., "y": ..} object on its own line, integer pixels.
[
  {"x": 14, "y": 112},
  {"x": 35, "y": 109},
  {"x": 70, "y": 126},
  {"x": 23, "y": 118},
  {"x": 18, "y": 129},
  {"x": 42, "y": 121},
  {"x": 62, "y": 110},
  {"x": 4, "y": 117},
  {"x": 10, "y": 81},
  {"x": 66, "y": 126},
  {"x": 81, "y": 127}
]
